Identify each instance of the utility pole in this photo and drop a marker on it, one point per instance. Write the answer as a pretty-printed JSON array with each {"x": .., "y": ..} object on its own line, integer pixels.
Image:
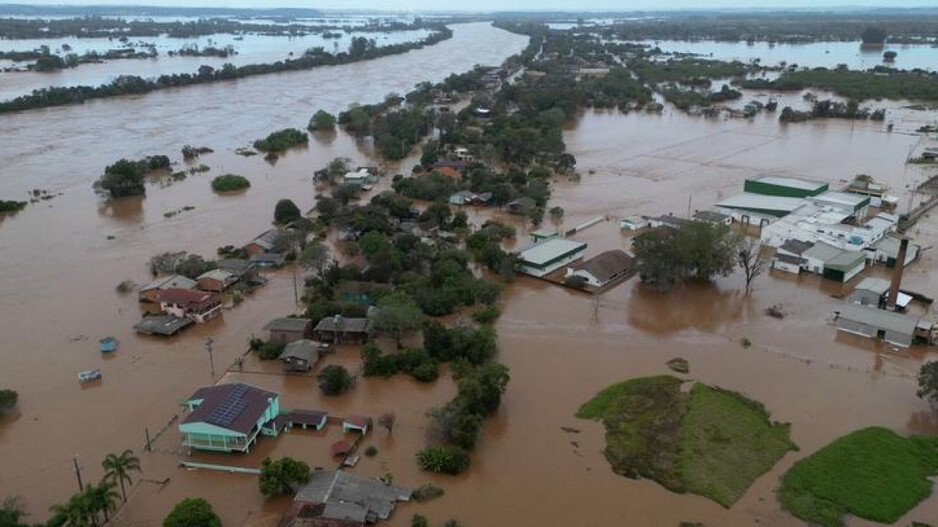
[
  {"x": 211, "y": 359},
  {"x": 81, "y": 486},
  {"x": 296, "y": 295}
]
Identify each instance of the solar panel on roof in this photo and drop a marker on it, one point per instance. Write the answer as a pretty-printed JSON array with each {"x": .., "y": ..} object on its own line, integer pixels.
[{"x": 230, "y": 407}]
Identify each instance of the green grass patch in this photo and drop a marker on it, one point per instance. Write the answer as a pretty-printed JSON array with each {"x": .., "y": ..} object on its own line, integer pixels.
[
  {"x": 872, "y": 473},
  {"x": 727, "y": 441},
  {"x": 706, "y": 441}
]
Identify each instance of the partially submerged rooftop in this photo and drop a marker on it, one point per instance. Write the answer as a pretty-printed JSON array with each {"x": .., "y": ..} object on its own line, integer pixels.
[
  {"x": 543, "y": 252},
  {"x": 342, "y": 496},
  {"x": 235, "y": 406}
]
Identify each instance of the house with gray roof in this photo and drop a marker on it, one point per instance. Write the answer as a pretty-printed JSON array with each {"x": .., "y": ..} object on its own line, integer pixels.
[
  {"x": 895, "y": 328},
  {"x": 603, "y": 268},
  {"x": 339, "y": 498},
  {"x": 300, "y": 355},
  {"x": 264, "y": 243},
  {"x": 150, "y": 292}
]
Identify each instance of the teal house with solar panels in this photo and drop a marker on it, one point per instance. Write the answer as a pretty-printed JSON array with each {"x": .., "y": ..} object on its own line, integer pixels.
[{"x": 228, "y": 417}]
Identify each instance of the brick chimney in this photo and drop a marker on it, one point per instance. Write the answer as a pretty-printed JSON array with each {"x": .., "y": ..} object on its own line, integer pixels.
[{"x": 897, "y": 274}]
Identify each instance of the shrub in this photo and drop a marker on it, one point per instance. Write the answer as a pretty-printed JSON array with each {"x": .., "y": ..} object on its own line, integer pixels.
[
  {"x": 192, "y": 512},
  {"x": 371, "y": 451},
  {"x": 427, "y": 492},
  {"x": 8, "y": 400},
  {"x": 286, "y": 211},
  {"x": 281, "y": 140},
  {"x": 419, "y": 521},
  {"x": 334, "y": 380},
  {"x": 270, "y": 350},
  {"x": 444, "y": 459},
  {"x": 230, "y": 183},
  {"x": 11, "y": 206},
  {"x": 123, "y": 178},
  {"x": 321, "y": 121},
  {"x": 487, "y": 315}
]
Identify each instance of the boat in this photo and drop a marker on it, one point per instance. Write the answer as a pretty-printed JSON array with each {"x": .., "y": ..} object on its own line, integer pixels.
[
  {"x": 89, "y": 375},
  {"x": 107, "y": 344}
]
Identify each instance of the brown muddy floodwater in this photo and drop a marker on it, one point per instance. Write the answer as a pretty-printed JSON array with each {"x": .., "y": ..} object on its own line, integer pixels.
[{"x": 59, "y": 273}]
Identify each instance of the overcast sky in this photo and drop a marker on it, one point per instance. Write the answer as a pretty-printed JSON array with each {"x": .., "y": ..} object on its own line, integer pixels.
[{"x": 503, "y": 5}]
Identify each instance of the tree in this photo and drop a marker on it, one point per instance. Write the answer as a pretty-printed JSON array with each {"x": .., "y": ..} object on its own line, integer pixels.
[
  {"x": 387, "y": 420},
  {"x": 315, "y": 257},
  {"x": 286, "y": 211},
  {"x": 8, "y": 399},
  {"x": 11, "y": 512},
  {"x": 123, "y": 178},
  {"x": 322, "y": 121},
  {"x": 118, "y": 468},
  {"x": 873, "y": 35},
  {"x": 443, "y": 459},
  {"x": 397, "y": 314},
  {"x": 334, "y": 380},
  {"x": 192, "y": 512},
  {"x": 696, "y": 249},
  {"x": 102, "y": 497},
  {"x": 76, "y": 512},
  {"x": 282, "y": 476},
  {"x": 928, "y": 382},
  {"x": 753, "y": 260}
]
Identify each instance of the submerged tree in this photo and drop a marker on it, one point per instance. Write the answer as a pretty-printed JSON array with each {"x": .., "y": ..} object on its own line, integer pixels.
[
  {"x": 192, "y": 512},
  {"x": 928, "y": 382},
  {"x": 753, "y": 261},
  {"x": 118, "y": 468},
  {"x": 282, "y": 476}
]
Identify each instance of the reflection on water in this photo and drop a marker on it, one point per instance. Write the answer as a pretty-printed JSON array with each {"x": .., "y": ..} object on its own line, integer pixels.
[
  {"x": 698, "y": 306},
  {"x": 124, "y": 210}
]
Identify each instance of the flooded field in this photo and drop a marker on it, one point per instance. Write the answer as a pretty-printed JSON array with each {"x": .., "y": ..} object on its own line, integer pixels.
[
  {"x": 57, "y": 297},
  {"x": 250, "y": 49}
]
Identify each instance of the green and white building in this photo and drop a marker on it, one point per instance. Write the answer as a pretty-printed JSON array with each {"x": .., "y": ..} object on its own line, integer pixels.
[
  {"x": 784, "y": 187},
  {"x": 228, "y": 417},
  {"x": 547, "y": 256}
]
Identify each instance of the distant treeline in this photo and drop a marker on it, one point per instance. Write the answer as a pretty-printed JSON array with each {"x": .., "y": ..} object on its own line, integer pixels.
[
  {"x": 782, "y": 27},
  {"x": 150, "y": 10},
  {"x": 879, "y": 82},
  {"x": 97, "y": 27},
  {"x": 360, "y": 49}
]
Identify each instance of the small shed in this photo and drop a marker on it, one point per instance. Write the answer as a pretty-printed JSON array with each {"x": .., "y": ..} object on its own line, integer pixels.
[
  {"x": 288, "y": 329},
  {"x": 524, "y": 205},
  {"x": 870, "y": 292},
  {"x": 633, "y": 223},
  {"x": 300, "y": 355},
  {"x": 356, "y": 423},
  {"x": 788, "y": 263},
  {"x": 845, "y": 266},
  {"x": 543, "y": 234},
  {"x": 463, "y": 197},
  {"x": 714, "y": 217}
]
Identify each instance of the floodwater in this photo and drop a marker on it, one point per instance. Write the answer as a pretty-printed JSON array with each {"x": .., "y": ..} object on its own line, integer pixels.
[
  {"x": 57, "y": 297},
  {"x": 252, "y": 49},
  {"x": 812, "y": 55}
]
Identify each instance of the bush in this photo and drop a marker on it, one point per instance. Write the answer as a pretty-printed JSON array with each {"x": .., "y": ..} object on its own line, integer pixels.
[
  {"x": 321, "y": 121},
  {"x": 281, "y": 140},
  {"x": 487, "y": 315},
  {"x": 282, "y": 476},
  {"x": 8, "y": 400},
  {"x": 443, "y": 459},
  {"x": 427, "y": 492},
  {"x": 419, "y": 521},
  {"x": 371, "y": 451},
  {"x": 192, "y": 512},
  {"x": 334, "y": 380},
  {"x": 123, "y": 178},
  {"x": 286, "y": 211},
  {"x": 270, "y": 350},
  {"x": 230, "y": 183},
  {"x": 11, "y": 206}
]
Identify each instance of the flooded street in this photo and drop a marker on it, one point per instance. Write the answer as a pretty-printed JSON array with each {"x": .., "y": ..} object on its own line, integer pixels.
[{"x": 60, "y": 270}]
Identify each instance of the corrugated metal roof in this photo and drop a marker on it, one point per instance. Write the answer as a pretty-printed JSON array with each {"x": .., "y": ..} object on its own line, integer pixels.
[
  {"x": 793, "y": 182},
  {"x": 748, "y": 200},
  {"x": 879, "y": 318},
  {"x": 549, "y": 249},
  {"x": 876, "y": 285}
]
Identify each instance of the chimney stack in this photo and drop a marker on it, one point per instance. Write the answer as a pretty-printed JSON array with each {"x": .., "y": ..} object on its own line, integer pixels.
[{"x": 897, "y": 274}]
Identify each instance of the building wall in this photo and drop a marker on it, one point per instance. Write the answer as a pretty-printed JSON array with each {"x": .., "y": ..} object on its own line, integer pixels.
[
  {"x": 286, "y": 336},
  {"x": 785, "y": 266},
  {"x": 769, "y": 189}
]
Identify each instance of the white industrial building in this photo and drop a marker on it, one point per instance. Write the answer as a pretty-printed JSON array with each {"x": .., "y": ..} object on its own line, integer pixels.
[{"x": 547, "y": 256}]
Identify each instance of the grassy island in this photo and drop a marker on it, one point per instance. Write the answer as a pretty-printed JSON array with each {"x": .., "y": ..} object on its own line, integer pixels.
[{"x": 705, "y": 440}]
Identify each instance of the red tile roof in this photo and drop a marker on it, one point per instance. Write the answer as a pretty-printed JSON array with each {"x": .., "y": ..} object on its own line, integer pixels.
[{"x": 186, "y": 297}]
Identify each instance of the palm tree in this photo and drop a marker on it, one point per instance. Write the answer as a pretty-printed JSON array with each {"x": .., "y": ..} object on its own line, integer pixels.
[
  {"x": 117, "y": 469},
  {"x": 103, "y": 497},
  {"x": 76, "y": 512}
]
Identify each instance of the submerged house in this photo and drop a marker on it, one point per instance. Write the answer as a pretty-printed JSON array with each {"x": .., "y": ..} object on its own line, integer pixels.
[
  {"x": 200, "y": 306},
  {"x": 789, "y": 256},
  {"x": 341, "y": 499},
  {"x": 264, "y": 243},
  {"x": 228, "y": 417},
  {"x": 150, "y": 292},
  {"x": 833, "y": 263},
  {"x": 523, "y": 205},
  {"x": 603, "y": 268},
  {"x": 300, "y": 355},
  {"x": 288, "y": 329},
  {"x": 342, "y": 329},
  {"x": 217, "y": 280}
]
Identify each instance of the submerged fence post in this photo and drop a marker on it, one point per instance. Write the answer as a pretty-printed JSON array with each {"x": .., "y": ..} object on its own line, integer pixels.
[{"x": 146, "y": 430}]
